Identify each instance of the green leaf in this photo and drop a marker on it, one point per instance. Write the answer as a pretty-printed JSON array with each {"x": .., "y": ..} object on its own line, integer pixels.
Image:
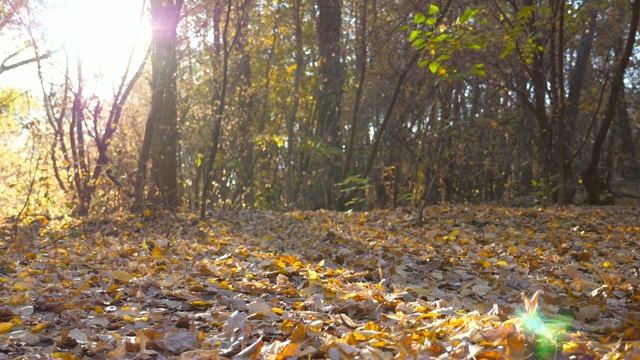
[
  {"x": 468, "y": 14},
  {"x": 433, "y": 9},
  {"x": 478, "y": 72},
  {"x": 423, "y": 63},
  {"x": 508, "y": 50},
  {"x": 443, "y": 58},
  {"x": 418, "y": 43},
  {"x": 439, "y": 38},
  {"x": 433, "y": 67},
  {"x": 419, "y": 19},
  {"x": 431, "y": 21},
  {"x": 415, "y": 34}
]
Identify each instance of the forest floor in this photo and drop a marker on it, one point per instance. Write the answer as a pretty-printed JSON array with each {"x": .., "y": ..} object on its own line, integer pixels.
[{"x": 474, "y": 282}]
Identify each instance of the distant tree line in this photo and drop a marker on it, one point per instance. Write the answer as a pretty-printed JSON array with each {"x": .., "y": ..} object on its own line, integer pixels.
[{"x": 354, "y": 105}]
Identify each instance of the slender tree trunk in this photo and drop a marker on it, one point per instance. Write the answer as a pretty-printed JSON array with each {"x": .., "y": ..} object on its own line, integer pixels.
[
  {"x": 361, "y": 65},
  {"x": 387, "y": 116},
  {"x": 539, "y": 106},
  {"x": 576, "y": 80},
  {"x": 227, "y": 46},
  {"x": 630, "y": 162},
  {"x": 161, "y": 136},
  {"x": 217, "y": 122},
  {"x": 392, "y": 103},
  {"x": 558, "y": 95},
  {"x": 77, "y": 144},
  {"x": 329, "y": 98},
  {"x": 596, "y": 193},
  {"x": 244, "y": 191},
  {"x": 289, "y": 190}
]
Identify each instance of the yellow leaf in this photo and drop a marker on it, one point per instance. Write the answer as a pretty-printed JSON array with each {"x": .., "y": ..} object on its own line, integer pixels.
[
  {"x": 607, "y": 265},
  {"x": 364, "y": 335},
  {"x": 502, "y": 263},
  {"x": 200, "y": 303},
  {"x": 20, "y": 286},
  {"x": 157, "y": 253},
  {"x": 277, "y": 310},
  {"x": 5, "y": 327},
  {"x": 122, "y": 276},
  {"x": 372, "y": 326},
  {"x": 420, "y": 290},
  {"x": 313, "y": 275},
  {"x": 41, "y": 326},
  {"x": 64, "y": 356},
  {"x": 98, "y": 309}
]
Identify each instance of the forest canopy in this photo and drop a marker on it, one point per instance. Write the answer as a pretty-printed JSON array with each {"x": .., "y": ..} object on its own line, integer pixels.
[{"x": 205, "y": 106}]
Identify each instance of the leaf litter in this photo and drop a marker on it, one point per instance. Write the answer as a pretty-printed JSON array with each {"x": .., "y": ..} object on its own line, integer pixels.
[{"x": 477, "y": 282}]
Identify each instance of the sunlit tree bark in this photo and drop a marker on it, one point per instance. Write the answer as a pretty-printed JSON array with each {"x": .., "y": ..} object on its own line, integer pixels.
[{"x": 160, "y": 138}]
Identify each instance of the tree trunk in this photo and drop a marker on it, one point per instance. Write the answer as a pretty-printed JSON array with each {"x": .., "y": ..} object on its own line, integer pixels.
[
  {"x": 558, "y": 98},
  {"x": 539, "y": 106},
  {"x": 360, "y": 70},
  {"x": 217, "y": 121},
  {"x": 77, "y": 144},
  {"x": 595, "y": 187},
  {"x": 576, "y": 79},
  {"x": 329, "y": 98},
  {"x": 227, "y": 46},
  {"x": 161, "y": 136},
  {"x": 630, "y": 164},
  {"x": 245, "y": 189},
  {"x": 289, "y": 188}
]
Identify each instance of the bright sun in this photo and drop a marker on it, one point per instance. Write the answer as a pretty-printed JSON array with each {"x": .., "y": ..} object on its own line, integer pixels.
[{"x": 101, "y": 34}]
